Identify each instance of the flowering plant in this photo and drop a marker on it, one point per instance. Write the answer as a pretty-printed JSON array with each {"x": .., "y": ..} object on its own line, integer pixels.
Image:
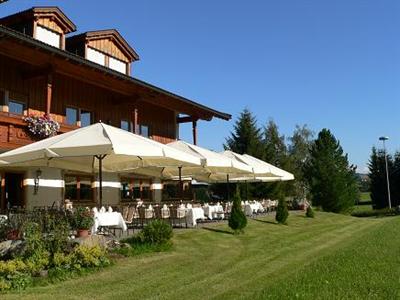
[{"x": 42, "y": 126}]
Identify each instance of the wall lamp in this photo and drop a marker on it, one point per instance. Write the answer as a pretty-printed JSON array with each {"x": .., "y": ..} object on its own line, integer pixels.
[{"x": 37, "y": 179}]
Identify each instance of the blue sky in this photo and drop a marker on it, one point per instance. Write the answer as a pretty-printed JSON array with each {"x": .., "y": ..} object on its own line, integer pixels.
[{"x": 333, "y": 64}]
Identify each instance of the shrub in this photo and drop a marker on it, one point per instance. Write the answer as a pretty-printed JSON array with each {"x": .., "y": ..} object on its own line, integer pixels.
[
  {"x": 14, "y": 274},
  {"x": 309, "y": 212},
  {"x": 89, "y": 257},
  {"x": 375, "y": 213},
  {"x": 237, "y": 220},
  {"x": 157, "y": 232},
  {"x": 282, "y": 212}
]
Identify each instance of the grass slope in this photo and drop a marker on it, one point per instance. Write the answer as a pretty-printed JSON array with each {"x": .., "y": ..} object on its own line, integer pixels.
[{"x": 331, "y": 256}]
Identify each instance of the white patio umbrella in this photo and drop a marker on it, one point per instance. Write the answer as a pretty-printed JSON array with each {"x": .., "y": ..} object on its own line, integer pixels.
[
  {"x": 114, "y": 149},
  {"x": 262, "y": 171},
  {"x": 214, "y": 164}
]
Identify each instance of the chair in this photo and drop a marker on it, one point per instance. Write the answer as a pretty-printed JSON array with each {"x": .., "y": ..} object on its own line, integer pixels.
[
  {"x": 125, "y": 210},
  {"x": 178, "y": 216},
  {"x": 129, "y": 220}
]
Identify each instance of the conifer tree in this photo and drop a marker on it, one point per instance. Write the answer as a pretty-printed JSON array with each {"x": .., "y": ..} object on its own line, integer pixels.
[
  {"x": 237, "y": 220},
  {"x": 332, "y": 180},
  {"x": 377, "y": 175},
  {"x": 282, "y": 212},
  {"x": 246, "y": 136}
]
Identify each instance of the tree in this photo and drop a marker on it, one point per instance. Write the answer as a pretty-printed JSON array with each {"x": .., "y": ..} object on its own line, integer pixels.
[
  {"x": 246, "y": 136},
  {"x": 395, "y": 181},
  {"x": 332, "y": 180},
  {"x": 282, "y": 212},
  {"x": 237, "y": 219},
  {"x": 275, "y": 150},
  {"x": 309, "y": 212},
  {"x": 377, "y": 175},
  {"x": 275, "y": 153},
  {"x": 299, "y": 154}
]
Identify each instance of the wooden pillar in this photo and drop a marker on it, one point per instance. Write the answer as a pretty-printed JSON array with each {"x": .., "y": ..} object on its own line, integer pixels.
[
  {"x": 49, "y": 93},
  {"x": 135, "y": 121},
  {"x": 194, "y": 129}
]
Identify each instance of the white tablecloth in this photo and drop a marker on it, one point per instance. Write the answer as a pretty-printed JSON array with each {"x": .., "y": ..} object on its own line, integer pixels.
[
  {"x": 108, "y": 219},
  {"x": 194, "y": 214},
  {"x": 251, "y": 208},
  {"x": 211, "y": 210}
]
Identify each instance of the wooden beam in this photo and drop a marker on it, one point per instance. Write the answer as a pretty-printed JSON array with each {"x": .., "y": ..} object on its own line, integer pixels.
[
  {"x": 194, "y": 129},
  {"x": 135, "y": 121},
  {"x": 49, "y": 93}
]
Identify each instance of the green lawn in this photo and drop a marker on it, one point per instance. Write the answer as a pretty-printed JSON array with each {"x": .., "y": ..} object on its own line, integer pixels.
[
  {"x": 365, "y": 197},
  {"x": 329, "y": 257}
]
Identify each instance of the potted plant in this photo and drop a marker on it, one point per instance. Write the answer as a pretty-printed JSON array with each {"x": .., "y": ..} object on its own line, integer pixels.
[{"x": 82, "y": 221}]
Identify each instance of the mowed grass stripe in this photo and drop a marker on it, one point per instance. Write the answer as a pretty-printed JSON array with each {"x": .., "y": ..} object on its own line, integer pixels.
[{"x": 209, "y": 264}]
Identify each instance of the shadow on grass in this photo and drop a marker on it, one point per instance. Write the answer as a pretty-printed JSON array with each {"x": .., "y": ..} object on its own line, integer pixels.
[
  {"x": 217, "y": 230},
  {"x": 265, "y": 221}
]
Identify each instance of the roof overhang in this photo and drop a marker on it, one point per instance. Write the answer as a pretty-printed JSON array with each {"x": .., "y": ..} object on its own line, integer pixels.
[{"x": 24, "y": 48}]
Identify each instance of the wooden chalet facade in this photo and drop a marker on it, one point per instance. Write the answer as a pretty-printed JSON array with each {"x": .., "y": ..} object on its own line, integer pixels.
[{"x": 78, "y": 80}]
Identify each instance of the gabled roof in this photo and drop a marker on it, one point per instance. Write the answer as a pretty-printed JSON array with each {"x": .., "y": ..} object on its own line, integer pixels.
[
  {"x": 112, "y": 34},
  {"x": 43, "y": 11}
]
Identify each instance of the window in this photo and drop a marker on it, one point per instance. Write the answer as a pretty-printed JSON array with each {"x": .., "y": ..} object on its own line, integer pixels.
[
  {"x": 144, "y": 130},
  {"x": 71, "y": 116},
  {"x": 78, "y": 188},
  {"x": 96, "y": 56},
  {"x": 16, "y": 107},
  {"x": 47, "y": 36},
  {"x": 126, "y": 125},
  {"x": 133, "y": 188},
  {"x": 85, "y": 118},
  {"x": 117, "y": 65}
]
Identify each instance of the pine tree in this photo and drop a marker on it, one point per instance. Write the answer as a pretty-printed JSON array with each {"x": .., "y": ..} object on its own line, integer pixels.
[
  {"x": 237, "y": 219},
  {"x": 282, "y": 212},
  {"x": 309, "y": 212},
  {"x": 377, "y": 175},
  {"x": 395, "y": 180},
  {"x": 332, "y": 180},
  {"x": 246, "y": 136}
]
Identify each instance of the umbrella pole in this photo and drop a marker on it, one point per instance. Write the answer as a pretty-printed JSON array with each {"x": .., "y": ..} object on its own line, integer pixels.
[
  {"x": 247, "y": 190},
  {"x": 100, "y": 158},
  {"x": 227, "y": 187},
  {"x": 180, "y": 183}
]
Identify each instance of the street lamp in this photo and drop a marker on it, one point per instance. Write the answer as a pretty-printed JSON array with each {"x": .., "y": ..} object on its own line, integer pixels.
[{"x": 384, "y": 139}]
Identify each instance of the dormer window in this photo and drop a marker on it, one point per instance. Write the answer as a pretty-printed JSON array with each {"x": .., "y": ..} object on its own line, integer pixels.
[
  {"x": 117, "y": 65},
  {"x": 96, "y": 56},
  {"x": 105, "y": 47},
  {"x": 48, "y": 36},
  {"x": 46, "y": 24}
]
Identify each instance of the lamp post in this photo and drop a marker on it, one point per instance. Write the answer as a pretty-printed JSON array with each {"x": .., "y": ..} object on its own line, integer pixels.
[{"x": 384, "y": 139}]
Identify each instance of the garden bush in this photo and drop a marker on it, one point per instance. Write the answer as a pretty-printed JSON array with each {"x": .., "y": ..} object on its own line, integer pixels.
[
  {"x": 376, "y": 213},
  {"x": 46, "y": 249},
  {"x": 309, "y": 212},
  {"x": 237, "y": 219},
  {"x": 14, "y": 274},
  {"x": 157, "y": 232},
  {"x": 282, "y": 211}
]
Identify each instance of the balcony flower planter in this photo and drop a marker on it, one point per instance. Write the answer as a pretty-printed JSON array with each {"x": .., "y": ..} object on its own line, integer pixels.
[{"x": 42, "y": 126}]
